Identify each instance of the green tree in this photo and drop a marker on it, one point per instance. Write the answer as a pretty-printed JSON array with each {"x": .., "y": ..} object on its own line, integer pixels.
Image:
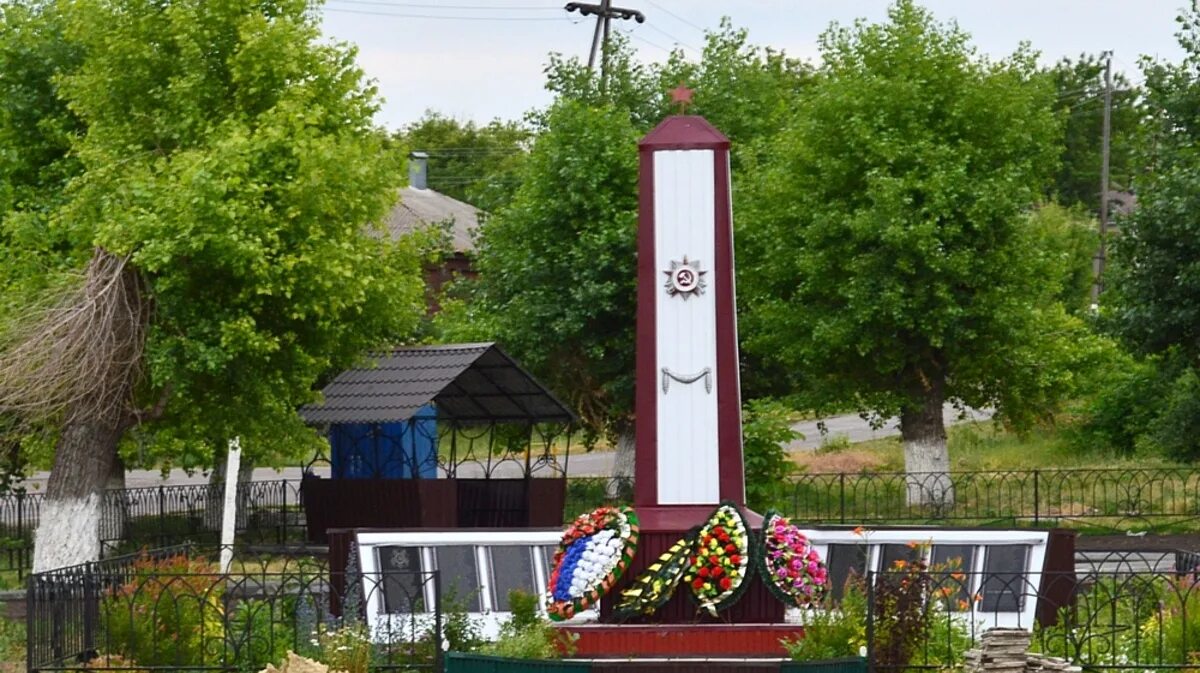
[
  {"x": 1152, "y": 295},
  {"x": 1155, "y": 281},
  {"x": 1080, "y": 103},
  {"x": 472, "y": 163},
  {"x": 226, "y": 173},
  {"x": 888, "y": 254},
  {"x": 1068, "y": 239},
  {"x": 557, "y": 280}
]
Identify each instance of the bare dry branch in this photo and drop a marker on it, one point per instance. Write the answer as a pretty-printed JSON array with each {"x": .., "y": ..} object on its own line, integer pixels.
[{"x": 80, "y": 353}]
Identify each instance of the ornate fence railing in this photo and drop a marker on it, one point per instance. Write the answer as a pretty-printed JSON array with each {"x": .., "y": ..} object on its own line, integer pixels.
[
  {"x": 1119, "y": 499},
  {"x": 172, "y": 610},
  {"x": 1099, "y": 620},
  {"x": 269, "y": 512}
]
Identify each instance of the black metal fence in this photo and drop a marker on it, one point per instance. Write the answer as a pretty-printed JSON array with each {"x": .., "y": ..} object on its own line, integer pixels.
[
  {"x": 1103, "y": 619},
  {"x": 269, "y": 512},
  {"x": 1118, "y": 499},
  {"x": 172, "y": 610}
]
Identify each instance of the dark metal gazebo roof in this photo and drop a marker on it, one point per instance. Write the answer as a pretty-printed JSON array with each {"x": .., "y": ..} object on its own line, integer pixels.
[{"x": 467, "y": 383}]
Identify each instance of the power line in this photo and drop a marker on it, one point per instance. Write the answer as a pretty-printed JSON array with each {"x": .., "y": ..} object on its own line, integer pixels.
[
  {"x": 680, "y": 18},
  {"x": 639, "y": 38},
  {"x": 366, "y": 12},
  {"x": 416, "y": 5},
  {"x": 673, "y": 38}
]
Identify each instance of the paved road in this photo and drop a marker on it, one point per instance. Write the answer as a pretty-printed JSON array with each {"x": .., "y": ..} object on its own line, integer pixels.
[
  {"x": 596, "y": 463},
  {"x": 855, "y": 429}
]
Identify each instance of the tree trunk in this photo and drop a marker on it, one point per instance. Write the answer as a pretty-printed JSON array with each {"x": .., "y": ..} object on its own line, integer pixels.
[
  {"x": 620, "y": 485},
  {"x": 90, "y": 354},
  {"x": 68, "y": 531},
  {"x": 115, "y": 515},
  {"x": 214, "y": 503},
  {"x": 926, "y": 457}
]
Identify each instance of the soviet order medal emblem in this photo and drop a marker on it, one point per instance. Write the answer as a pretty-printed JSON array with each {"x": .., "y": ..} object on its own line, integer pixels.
[{"x": 685, "y": 278}]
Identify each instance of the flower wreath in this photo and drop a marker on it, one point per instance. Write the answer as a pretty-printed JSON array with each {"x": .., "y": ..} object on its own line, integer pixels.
[
  {"x": 593, "y": 553},
  {"x": 655, "y": 586},
  {"x": 788, "y": 563},
  {"x": 720, "y": 564}
]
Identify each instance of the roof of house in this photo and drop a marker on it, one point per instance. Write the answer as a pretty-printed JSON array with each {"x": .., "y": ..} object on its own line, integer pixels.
[
  {"x": 467, "y": 383},
  {"x": 420, "y": 208}
]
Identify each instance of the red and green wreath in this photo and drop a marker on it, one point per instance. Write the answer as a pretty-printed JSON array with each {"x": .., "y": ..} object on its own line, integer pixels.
[
  {"x": 595, "y": 550},
  {"x": 720, "y": 565}
]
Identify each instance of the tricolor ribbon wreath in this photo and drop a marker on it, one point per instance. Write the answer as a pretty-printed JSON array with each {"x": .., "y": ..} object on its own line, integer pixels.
[{"x": 595, "y": 550}]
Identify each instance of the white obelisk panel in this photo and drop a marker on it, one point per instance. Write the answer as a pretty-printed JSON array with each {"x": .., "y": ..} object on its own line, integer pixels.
[{"x": 686, "y": 330}]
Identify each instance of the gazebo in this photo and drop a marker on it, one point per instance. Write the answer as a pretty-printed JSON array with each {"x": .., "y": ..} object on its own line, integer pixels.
[{"x": 452, "y": 436}]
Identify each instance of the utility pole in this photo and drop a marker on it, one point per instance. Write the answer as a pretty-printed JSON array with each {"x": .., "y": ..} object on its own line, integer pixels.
[
  {"x": 1105, "y": 144},
  {"x": 605, "y": 13}
]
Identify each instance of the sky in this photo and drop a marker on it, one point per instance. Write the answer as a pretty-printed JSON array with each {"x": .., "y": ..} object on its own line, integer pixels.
[{"x": 480, "y": 60}]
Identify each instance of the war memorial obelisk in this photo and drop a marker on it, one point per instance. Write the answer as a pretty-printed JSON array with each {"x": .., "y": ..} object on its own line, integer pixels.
[{"x": 688, "y": 398}]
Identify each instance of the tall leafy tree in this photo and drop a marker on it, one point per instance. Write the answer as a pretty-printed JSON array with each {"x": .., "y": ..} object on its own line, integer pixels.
[
  {"x": 557, "y": 280},
  {"x": 215, "y": 222},
  {"x": 888, "y": 254},
  {"x": 472, "y": 163},
  {"x": 1079, "y": 101},
  {"x": 1152, "y": 297},
  {"x": 1155, "y": 283}
]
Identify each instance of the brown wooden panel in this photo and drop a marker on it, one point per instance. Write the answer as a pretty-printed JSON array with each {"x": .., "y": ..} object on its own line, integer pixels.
[
  {"x": 1058, "y": 583},
  {"x": 430, "y": 503},
  {"x": 547, "y": 499}
]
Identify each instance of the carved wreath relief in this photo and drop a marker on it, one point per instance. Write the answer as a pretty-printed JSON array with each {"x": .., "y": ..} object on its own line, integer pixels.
[{"x": 685, "y": 278}]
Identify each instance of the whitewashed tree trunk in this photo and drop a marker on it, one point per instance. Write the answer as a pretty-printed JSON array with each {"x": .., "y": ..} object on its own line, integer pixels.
[
  {"x": 214, "y": 502},
  {"x": 68, "y": 531},
  {"x": 926, "y": 456},
  {"x": 623, "y": 462}
]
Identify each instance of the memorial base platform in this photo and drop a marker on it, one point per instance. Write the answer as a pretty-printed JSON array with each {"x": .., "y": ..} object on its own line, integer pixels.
[{"x": 681, "y": 640}]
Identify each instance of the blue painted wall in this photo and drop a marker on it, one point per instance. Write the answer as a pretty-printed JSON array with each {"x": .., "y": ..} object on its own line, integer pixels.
[{"x": 403, "y": 450}]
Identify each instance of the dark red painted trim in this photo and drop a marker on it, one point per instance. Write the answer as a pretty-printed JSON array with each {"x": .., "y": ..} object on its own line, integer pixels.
[
  {"x": 682, "y": 640},
  {"x": 729, "y": 398},
  {"x": 683, "y": 517},
  {"x": 645, "y": 467},
  {"x": 684, "y": 132}
]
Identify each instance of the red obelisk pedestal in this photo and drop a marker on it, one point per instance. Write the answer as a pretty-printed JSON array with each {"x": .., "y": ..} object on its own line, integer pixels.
[{"x": 688, "y": 404}]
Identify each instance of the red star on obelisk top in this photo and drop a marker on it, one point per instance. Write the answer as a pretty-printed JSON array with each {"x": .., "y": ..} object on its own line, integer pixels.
[{"x": 681, "y": 96}]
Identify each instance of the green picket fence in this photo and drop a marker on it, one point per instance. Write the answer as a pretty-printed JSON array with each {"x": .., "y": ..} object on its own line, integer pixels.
[
  {"x": 457, "y": 662},
  {"x": 844, "y": 665}
]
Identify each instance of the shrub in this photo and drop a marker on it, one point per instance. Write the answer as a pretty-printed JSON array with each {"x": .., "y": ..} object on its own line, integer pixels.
[
  {"x": 766, "y": 427},
  {"x": 1177, "y": 429},
  {"x": 836, "y": 629},
  {"x": 346, "y": 649},
  {"x": 169, "y": 613},
  {"x": 260, "y": 632},
  {"x": 526, "y": 635}
]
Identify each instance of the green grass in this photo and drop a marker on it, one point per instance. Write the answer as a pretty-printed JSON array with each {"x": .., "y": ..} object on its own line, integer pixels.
[
  {"x": 1109, "y": 493},
  {"x": 983, "y": 446},
  {"x": 12, "y": 646}
]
